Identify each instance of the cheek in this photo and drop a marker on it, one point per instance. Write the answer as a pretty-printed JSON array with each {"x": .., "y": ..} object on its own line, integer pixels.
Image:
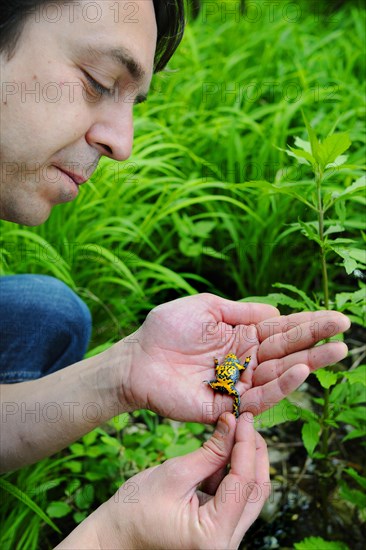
[{"x": 40, "y": 119}]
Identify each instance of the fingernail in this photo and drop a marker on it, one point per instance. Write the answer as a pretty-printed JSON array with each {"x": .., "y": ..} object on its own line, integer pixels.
[{"x": 222, "y": 427}]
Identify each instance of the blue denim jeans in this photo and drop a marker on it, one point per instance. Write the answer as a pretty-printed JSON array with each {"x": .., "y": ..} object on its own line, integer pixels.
[{"x": 44, "y": 327}]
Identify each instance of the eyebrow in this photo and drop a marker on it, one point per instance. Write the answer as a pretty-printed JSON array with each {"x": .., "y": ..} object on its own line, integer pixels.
[{"x": 124, "y": 58}]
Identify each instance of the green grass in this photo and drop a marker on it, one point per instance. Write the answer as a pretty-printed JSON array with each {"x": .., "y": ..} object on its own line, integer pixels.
[{"x": 188, "y": 211}]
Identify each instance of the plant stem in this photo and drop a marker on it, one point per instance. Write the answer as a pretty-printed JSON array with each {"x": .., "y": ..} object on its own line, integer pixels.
[
  {"x": 318, "y": 180},
  {"x": 325, "y": 414}
]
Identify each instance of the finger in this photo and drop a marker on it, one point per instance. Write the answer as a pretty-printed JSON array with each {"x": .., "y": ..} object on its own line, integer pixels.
[
  {"x": 261, "y": 398},
  {"x": 236, "y": 313},
  {"x": 259, "y": 494},
  {"x": 301, "y": 336},
  {"x": 314, "y": 358},
  {"x": 190, "y": 470},
  {"x": 229, "y": 502},
  {"x": 277, "y": 325}
]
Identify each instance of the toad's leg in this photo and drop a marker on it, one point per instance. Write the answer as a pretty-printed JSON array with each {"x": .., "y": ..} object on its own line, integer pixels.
[
  {"x": 236, "y": 407},
  {"x": 217, "y": 386}
]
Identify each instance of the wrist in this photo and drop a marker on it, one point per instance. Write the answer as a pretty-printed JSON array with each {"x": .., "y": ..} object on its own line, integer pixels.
[
  {"x": 86, "y": 535},
  {"x": 114, "y": 377}
]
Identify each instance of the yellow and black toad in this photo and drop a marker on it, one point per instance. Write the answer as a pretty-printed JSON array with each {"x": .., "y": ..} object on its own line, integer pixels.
[{"x": 227, "y": 375}]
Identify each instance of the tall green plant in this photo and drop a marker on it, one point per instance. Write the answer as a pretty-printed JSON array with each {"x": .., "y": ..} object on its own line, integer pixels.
[{"x": 326, "y": 158}]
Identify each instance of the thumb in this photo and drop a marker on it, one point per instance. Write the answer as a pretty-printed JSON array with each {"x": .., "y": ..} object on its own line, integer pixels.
[{"x": 212, "y": 456}]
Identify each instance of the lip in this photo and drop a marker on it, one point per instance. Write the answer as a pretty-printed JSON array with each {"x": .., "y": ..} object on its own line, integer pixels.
[{"x": 78, "y": 180}]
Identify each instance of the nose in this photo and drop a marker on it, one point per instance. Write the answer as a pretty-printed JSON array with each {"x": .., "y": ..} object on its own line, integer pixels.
[{"x": 112, "y": 133}]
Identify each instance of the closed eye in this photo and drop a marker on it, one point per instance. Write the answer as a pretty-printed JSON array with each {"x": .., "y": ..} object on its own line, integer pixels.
[{"x": 97, "y": 87}]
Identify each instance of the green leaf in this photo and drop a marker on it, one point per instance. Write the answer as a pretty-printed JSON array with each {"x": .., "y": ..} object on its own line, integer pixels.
[
  {"x": 74, "y": 466},
  {"x": 354, "y": 475},
  {"x": 77, "y": 449},
  {"x": 338, "y": 162},
  {"x": 359, "y": 186},
  {"x": 303, "y": 144},
  {"x": 195, "y": 428},
  {"x": 310, "y": 435},
  {"x": 23, "y": 497},
  {"x": 85, "y": 496},
  {"x": 326, "y": 378},
  {"x": 353, "y": 416},
  {"x": 337, "y": 228},
  {"x": 342, "y": 298},
  {"x": 332, "y": 147},
  {"x": 274, "y": 300},
  {"x": 119, "y": 422},
  {"x": 352, "y": 257},
  {"x": 89, "y": 439},
  {"x": 317, "y": 543},
  {"x": 314, "y": 142},
  {"x": 180, "y": 449},
  {"x": 284, "y": 411},
  {"x": 354, "y": 434},
  {"x": 357, "y": 375},
  {"x": 111, "y": 441},
  {"x": 58, "y": 509},
  {"x": 307, "y": 301},
  {"x": 354, "y": 496},
  {"x": 302, "y": 156},
  {"x": 79, "y": 516},
  {"x": 310, "y": 232}
]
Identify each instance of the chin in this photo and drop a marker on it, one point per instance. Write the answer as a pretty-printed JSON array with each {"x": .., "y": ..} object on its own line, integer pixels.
[{"x": 31, "y": 219}]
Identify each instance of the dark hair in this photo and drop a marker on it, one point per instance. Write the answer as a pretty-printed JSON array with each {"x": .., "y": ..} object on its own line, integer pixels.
[{"x": 169, "y": 16}]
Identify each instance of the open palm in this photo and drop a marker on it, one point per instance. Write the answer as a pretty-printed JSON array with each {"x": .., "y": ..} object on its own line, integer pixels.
[{"x": 176, "y": 346}]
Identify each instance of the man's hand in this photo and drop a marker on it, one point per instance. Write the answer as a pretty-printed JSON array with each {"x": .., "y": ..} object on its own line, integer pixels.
[
  {"x": 163, "y": 507},
  {"x": 174, "y": 353}
]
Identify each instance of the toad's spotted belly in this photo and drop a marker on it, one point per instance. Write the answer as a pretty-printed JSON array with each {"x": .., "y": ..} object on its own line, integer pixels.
[{"x": 227, "y": 374}]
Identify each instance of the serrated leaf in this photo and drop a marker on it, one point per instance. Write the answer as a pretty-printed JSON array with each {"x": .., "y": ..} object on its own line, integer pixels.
[
  {"x": 326, "y": 378},
  {"x": 310, "y": 435},
  {"x": 284, "y": 300},
  {"x": 306, "y": 300},
  {"x": 271, "y": 299},
  {"x": 317, "y": 543}
]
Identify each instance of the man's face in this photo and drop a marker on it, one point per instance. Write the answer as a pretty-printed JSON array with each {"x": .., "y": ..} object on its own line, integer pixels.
[{"x": 53, "y": 120}]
